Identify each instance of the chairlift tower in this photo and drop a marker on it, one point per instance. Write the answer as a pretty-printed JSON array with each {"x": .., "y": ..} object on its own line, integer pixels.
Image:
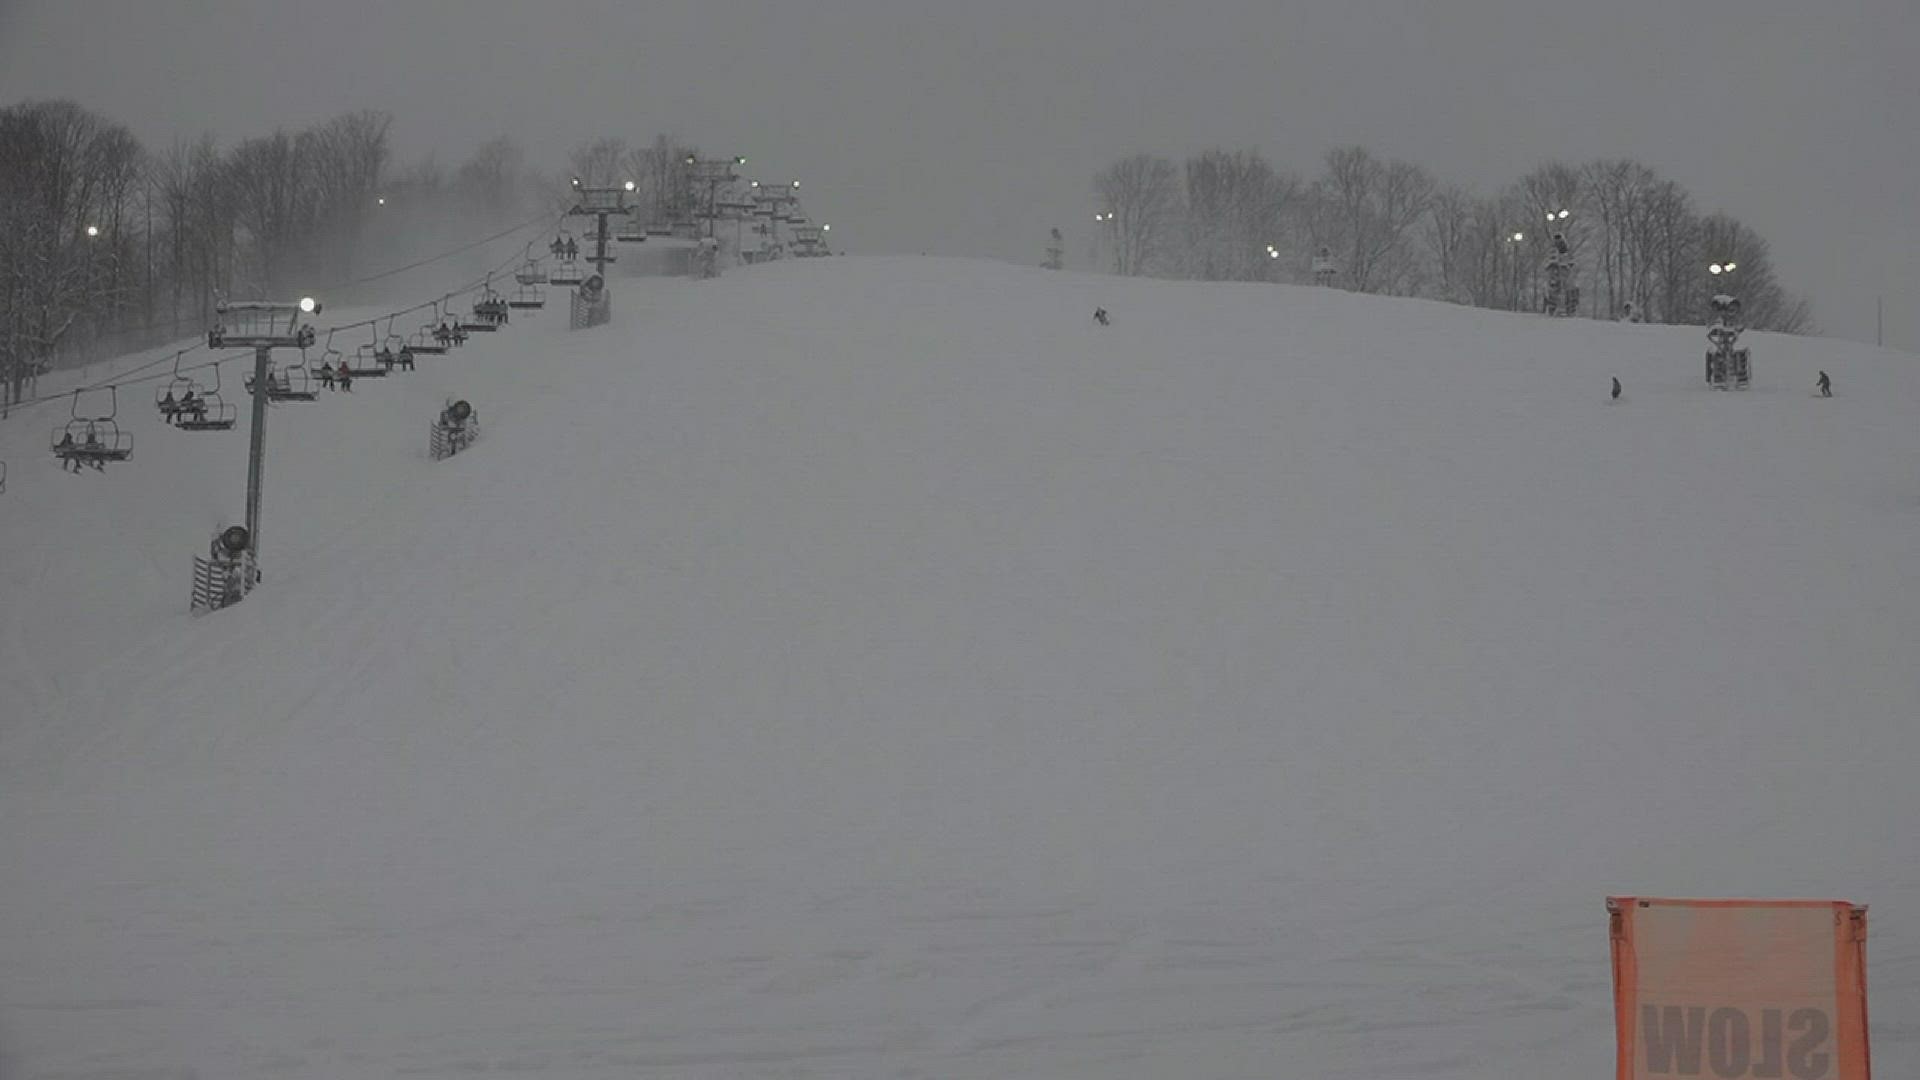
[
  {"x": 600, "y": 203},
  {"x": 262, "y": 326},
  {"x": 713, "y": 172},
  {"x": 774, "y": 202},
  {"x": 738, "y": 211}
]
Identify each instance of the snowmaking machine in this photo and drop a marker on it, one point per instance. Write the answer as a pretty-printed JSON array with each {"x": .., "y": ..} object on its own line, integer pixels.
[
  {"x": 454, "y": 431},
  {"x": 1728, "y": 366},
  {"x": 227, "y": 574}
]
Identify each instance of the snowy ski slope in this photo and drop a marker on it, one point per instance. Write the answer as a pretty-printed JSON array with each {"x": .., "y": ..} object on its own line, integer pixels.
[{"x": 871, "y": 668}]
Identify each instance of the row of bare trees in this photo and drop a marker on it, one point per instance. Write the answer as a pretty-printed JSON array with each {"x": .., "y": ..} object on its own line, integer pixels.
[
  {"x": 104, "y": 245},
  {"x": 661, "y": 172},
  {"x": 1636, "y": 237}
]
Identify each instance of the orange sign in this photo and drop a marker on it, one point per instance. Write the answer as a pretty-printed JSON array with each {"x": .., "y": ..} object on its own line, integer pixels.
[{"x": 1739, "y": 989}]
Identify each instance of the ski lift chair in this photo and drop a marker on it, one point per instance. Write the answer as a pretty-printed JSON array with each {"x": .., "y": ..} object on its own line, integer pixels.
[
  {"x": 528, "y": 296},
  {"x": 475, "y": 322},
  {"x": 93, "y": 440},
  {"x": 290, "y": 383},
  {"x": 167, "y": 398},
  {"x": 393, "y": 347},
  {"x": 493, "y": 308},
  {"x": 331, "y": 360},
  {"x": 210, "y": 413},
  {"x": 422, "y": 341},
  {"x": 366, "y": 363}
]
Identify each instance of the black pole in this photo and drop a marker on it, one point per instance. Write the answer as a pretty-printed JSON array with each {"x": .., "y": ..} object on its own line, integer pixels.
[{"x": 261, "y": 355}]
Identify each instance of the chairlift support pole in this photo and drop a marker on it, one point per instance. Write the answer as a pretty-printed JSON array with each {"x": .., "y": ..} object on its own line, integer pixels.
[
  {"x": 257, "y": 325},
  {"x": 599, "y": 203},
  {"x": 257, "y": 444}
]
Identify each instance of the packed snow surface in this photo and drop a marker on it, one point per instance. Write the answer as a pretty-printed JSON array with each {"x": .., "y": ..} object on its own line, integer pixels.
[{"x": 872, "y": 668}]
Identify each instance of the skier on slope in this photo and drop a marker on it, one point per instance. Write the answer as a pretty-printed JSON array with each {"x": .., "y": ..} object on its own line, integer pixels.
[{"x": 1826, "y": 385}]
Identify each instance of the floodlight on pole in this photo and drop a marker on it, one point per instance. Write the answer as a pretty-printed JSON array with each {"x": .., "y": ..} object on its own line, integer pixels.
[
  {"x": 629, "y": 185},
  {"x": 309, "y": 305},
  {"x": 93, "y": 230}
]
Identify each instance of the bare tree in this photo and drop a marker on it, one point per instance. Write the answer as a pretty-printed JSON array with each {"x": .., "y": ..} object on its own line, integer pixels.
[
  {"x": 1237, "y": 208},
  {"x": 1366, "y": 208},
  {"x": 492, "y": 180},
  {"x": 600, "y": 163},
  {"x": 1449, "y": 236},
  {"x": 1143, "y": 196},
  {"x": 65, "y": 174}
]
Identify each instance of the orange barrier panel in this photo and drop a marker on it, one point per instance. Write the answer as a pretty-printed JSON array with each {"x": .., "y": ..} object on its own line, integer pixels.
[{"x": 1739, "y": 989}]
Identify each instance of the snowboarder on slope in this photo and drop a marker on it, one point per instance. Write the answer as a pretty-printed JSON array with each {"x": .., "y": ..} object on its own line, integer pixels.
[
  {"x": 1826, "y": 385},
  {"x": 1616, "y": 388},
  {"x": 1100, "y": 316}
]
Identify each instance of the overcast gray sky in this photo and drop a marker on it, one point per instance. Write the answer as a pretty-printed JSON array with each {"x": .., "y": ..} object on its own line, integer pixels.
[{"x": 970, "y": 126}]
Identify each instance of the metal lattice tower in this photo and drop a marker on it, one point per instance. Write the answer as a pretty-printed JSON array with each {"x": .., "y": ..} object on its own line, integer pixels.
[{"x": 713, "y": 172}]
